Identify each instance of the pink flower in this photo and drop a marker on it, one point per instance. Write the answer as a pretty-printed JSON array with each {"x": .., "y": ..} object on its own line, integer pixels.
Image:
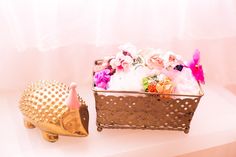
[
  {"x": 196, "y": 68},
  {"x": 155, "y": 62},
  {"x": 121, "y": 63},
  {"x": 172, "y": 58}
]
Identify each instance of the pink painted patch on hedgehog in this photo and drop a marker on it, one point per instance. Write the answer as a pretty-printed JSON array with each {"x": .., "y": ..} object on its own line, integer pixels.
[{"x": 72, "y": 100}]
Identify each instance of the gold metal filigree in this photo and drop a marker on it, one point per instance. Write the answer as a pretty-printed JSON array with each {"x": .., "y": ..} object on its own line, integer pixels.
[{"x": 43, "y": 106}]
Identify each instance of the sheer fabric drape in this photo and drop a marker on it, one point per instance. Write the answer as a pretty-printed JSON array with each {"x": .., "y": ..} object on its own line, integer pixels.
[{"x": 59, "y": 39}]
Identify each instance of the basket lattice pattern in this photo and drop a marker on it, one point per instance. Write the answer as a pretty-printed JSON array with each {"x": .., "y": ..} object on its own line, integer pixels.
[{"x": 149, "y": 111}]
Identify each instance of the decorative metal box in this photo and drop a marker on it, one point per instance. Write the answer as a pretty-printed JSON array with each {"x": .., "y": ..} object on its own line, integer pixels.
[{"x": 143, "y": 110}]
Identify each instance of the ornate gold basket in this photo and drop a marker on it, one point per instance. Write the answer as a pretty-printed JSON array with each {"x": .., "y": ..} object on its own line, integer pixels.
[{"x": 143, "y": 110}]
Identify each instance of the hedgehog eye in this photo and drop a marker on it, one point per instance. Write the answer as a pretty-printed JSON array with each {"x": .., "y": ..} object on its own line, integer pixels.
[{"x": 69, "y": 124}]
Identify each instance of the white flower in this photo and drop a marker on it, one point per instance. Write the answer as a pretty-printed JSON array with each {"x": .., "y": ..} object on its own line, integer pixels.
[{"x": 131, "y": 81}]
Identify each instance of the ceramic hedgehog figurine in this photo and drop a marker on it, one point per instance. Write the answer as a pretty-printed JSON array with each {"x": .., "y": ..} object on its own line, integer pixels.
[{"x": 55, "y": 109}]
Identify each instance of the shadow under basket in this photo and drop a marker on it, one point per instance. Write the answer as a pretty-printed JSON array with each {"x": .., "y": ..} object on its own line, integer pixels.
[{"x": 143, "y": 110}]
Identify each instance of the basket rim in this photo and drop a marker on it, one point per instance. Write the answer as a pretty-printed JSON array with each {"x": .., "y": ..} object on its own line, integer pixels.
[{"x": 147, "y": 93}]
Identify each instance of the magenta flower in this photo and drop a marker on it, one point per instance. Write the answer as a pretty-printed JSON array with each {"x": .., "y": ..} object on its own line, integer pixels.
[
  {"x": 102, "y": 78},
  {"x": 196, "y": 68}
]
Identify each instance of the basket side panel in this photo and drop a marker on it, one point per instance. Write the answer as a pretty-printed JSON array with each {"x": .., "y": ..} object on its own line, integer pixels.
[{"x": 146, "y": 112}]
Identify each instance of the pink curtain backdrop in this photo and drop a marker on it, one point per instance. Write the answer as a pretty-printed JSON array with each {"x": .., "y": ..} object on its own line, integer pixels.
[{"x": 60, "y": 39}]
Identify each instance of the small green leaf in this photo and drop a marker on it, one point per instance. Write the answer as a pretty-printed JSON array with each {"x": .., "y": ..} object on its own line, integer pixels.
[{"x": 145, "y": 83}]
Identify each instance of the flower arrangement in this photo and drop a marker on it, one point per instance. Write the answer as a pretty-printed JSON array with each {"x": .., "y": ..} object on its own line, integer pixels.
[{"x": 149, "y": 70}]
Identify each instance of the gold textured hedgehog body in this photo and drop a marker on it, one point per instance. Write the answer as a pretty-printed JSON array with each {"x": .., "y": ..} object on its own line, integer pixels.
[{"x": 55, "y": 109}]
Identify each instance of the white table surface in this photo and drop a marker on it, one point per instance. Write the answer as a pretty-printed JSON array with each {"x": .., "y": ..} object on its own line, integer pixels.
[{"x": 214, "y": 124}]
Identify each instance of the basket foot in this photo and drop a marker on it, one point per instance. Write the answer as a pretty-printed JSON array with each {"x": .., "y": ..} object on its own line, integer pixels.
[
  {"x": 28, "y": 124},
  {"x": 49, "y": 136},
  {"x": 186, "y": 131},
  {"x": 99, "y": 129}
]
